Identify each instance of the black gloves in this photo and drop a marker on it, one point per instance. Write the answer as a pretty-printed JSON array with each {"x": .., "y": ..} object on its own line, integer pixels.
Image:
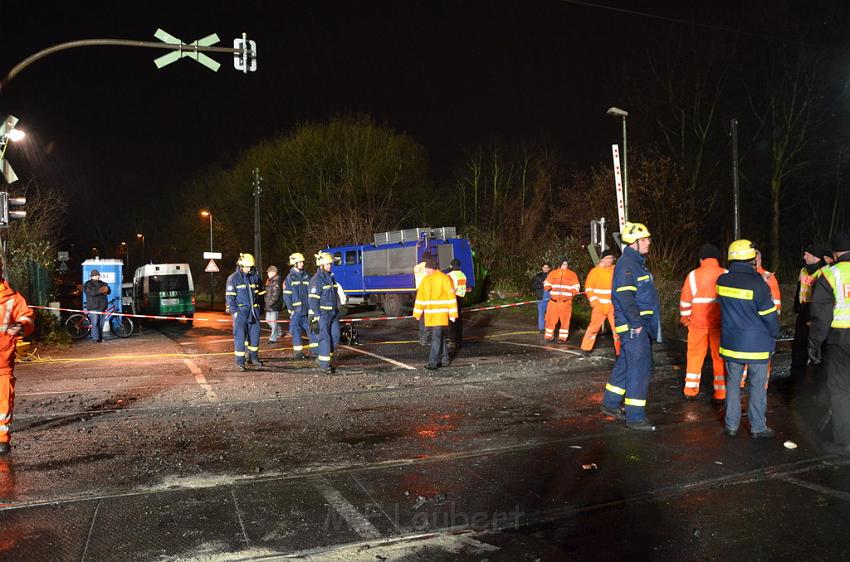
[
  {"x": 815, "y": 354},
  {"x": 314, "y": 325}
]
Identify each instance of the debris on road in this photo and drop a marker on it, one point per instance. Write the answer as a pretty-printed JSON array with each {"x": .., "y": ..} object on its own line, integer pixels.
[{"x": 590, "y": 466}]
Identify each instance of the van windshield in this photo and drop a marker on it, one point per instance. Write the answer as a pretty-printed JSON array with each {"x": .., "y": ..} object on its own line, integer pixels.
[{"x": 159, "y": 283}]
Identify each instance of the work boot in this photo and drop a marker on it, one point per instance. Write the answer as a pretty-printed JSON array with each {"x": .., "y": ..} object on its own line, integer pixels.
[
  {"x": 690, "y": 398},
  {"x": 328, "y": 370},
  {"x": 766, "y": 434},
  {"x": 616, "y": 414},
  {"x": 642, "y": 425},
  {"x": 585, "y": 354},
  {"x": 730, "y": 432},
  {"x": 5, "y": 448},
  {"x": 299, "y": 356},
  {"x": 431, "y": 367},
  {"x": 242, "y": 366}
]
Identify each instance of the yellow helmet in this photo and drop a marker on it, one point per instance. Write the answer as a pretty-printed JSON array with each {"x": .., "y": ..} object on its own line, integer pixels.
[
  {"x": 633, "y": 231},
  {"x": 295, "y": 258},
  {"x": 741, "y": 250},
  {"x": 245, "y": 260},
  {"x": 323, "y": 258}
]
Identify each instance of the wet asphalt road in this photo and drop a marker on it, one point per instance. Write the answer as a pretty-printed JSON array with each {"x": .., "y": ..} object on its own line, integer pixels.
[{"x": 158, "y": 448}]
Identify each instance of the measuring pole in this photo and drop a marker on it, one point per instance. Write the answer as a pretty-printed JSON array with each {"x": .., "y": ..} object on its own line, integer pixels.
[
  {"x": 618, "y": 184},
  {"x": 258, "y": 256},
  {"x": 735, "y": 191}
]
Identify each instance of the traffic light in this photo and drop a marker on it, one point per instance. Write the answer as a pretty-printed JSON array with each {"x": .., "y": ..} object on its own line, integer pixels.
[
  {"x": 246, "y": 57},
  {"x": 7, "y": 211}
]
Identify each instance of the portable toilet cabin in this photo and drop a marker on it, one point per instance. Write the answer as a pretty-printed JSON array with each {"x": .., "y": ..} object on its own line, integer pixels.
[{"x": 111, "y": 272}]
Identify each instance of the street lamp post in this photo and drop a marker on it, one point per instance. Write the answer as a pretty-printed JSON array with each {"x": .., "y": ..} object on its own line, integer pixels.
[
  {"x": 126, "y": 249},
  {"x": 617, "y": 112},
  {"x": 141, "y": 237},
  {"x": 209, "y": 214}
]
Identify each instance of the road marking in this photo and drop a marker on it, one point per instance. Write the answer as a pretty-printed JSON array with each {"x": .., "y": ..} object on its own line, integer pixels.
[
  {"x": 239, "y": 516},
  {"x": 91, "y": 528},
  {"x": 356, "y": 520},
  {"x": 381, "y": 357},
  {"x": 558, "y": 349},
  {"x": 814, "y": 487},
  {"x": 202, "y": 381}
]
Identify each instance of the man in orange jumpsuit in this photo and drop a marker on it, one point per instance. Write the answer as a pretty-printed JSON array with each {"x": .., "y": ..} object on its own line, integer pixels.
[
  {"x": 563, "y": 285},
  {"x": 597, "y": 288},
  {"x": 699, "y": 311},
  {"x": 16, "y": 319}
]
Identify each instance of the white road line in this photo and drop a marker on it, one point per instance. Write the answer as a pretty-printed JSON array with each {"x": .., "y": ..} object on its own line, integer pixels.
[
  {"x": 815, "y": 487},
  {"x": 356, "y": 520},
  {"x": 381, "y": 357},
  {"x": 202, "y": 381},
  {"x": 559, "y": 349}
]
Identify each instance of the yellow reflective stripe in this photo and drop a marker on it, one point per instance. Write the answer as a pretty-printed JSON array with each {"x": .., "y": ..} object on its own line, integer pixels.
[
  {"x": 312, "y": 296},
  {"x": 326, "y": 286},
  {"x": 241, "y": 286},
  {"x": 252, "y": 348},
  {"x": 622, "y": 328},
  {"x": 615, "y": 389},
  {"x": 733, "y": 293},
  {"x": 647, "y": 312},
  {"x": 297, "y": 347},
  {"x": 323, "y": 307},
  {"x": 261, "y": 293},
  {"x": 643, "y": 278},
  {"x": 756, "y": 355},
  {"x": 239, "y": 353},
  {"x": 635, "y": 402},
  {"x": 296, "y": 303},
  {"x": 626, "y": 288},
  {"x": 324, "y": 358},
  {"x": 287, "y": 292},
  {"x": 314, "y": 345},
  {"x": 230, "y": 294},
  {"x": 768, "y": 311}
]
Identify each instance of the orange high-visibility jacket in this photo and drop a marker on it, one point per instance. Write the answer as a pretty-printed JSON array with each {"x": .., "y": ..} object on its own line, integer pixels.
[
  {"x": 13, "y": 310},
  {"x": 562, "y": 285},
  {"x": 597, "y": 288},
  {"x": 436, "y": 299},
  {"x": 773, "y": 283},
  {"x": 699, "y": 295}
]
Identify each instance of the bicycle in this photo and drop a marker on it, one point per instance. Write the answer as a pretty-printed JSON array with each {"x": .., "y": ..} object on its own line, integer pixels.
[{"x": 78, "y": 325}]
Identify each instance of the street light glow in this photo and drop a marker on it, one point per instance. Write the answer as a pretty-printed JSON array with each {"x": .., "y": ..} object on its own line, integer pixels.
[
  {"x": 140, "y": 235},
  {"x": 16, "y": 135},
  {"x": 205, "y": 213},
  {"x": 617, "y": 112}
]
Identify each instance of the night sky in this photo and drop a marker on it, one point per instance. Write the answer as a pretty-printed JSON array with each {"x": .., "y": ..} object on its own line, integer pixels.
[{"x": 104, "y": 122}]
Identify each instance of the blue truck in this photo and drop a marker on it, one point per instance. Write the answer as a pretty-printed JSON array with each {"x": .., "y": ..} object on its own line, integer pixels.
[{"x": 381, "y": 273}]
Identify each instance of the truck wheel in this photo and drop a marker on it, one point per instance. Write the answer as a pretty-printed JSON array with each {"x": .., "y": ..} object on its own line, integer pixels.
[{"x": 392, "y": 305}]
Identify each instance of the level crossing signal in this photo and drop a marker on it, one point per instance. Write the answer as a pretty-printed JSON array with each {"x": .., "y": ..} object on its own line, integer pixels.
[{"x": 7, "y": 208}]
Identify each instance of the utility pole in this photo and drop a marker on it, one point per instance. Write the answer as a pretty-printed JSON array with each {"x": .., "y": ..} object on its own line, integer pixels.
[
  {"x": 257, "y": 182},
  {"x": 735, "y": 192}
]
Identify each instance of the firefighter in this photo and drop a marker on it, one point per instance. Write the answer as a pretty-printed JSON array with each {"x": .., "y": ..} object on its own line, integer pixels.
[
  {"x": 458, "y": 278},
  {"x": 242, "y": 302},
  {"x": 17, "y": 318},
  {"x": 436, "y": 302},
  {"x": 597, "y": 288},
  {"x": 749, "y": 327},
  {"x": 830, "y": 314},
  {"x": 699, "y": 312},
  {"x": 809, "y": 274},
  {"x": 323, "y": 302},
  {"x": 295, "y": 299},
  {"x": 563, "y": 285},
  {"x": 636, "y": 318}
]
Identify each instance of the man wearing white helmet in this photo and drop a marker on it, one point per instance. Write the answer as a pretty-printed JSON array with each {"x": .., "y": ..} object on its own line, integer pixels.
[
  {"x": 295, "y": 298},
  {"x": 323, "y": 300},
  {"x": 242, "y": 297}
]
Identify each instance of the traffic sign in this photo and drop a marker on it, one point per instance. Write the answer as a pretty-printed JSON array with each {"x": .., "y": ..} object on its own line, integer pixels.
[
  {"x": 211, "y": 267},
  {"x": 64, "y": 256},
  {"x": 212, "y": 255},
  {"x": 173, "y": 56}
]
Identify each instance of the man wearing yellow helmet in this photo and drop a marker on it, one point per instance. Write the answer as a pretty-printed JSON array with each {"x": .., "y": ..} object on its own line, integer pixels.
[
  {"x": 636, "y": 319},
  {"x": 242, "y": 297},
  {"x": 295, "y": 297},
  {"x": 323, "y": 301},
  {"x": 749, "y": 328}
]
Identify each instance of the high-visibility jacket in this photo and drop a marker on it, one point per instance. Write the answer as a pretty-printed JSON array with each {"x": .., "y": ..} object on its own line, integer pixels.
[
  {"x": 562, "y": 285},
  {"x": 698, "y": 302},
  {"x": 597, "y": 288},
  {"x": 435, "y": 298},
  {"x": 634, "y": 295},
  {"x": 838, "y": 277},
  {"x": 807, "y": 283},
  {"x": 322, "y": 293},
  {"x": 750, "y": 324},
  {"x": 773, "y": 283},
  {"x": 241, "y": 292},
  {"x": 13, "y": 310},
  {"x": 295, "y": 291},
  {"x": 458, "y": 281}
]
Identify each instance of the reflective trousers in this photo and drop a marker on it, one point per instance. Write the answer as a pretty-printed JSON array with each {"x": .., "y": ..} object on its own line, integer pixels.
[
  {"x": 597, "y": 320},
  {"x": 757, "y": 396},
  {"x": 7, "y": 402},
  {"x": 246, "y": 338},
  {"x": 555, "y": 312},
  {"x": 299, "y": 325},
  {"x": 700, "y": 340},
  {"x": 629, "y": 380},
  {"x": 328, "y": 338}
]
